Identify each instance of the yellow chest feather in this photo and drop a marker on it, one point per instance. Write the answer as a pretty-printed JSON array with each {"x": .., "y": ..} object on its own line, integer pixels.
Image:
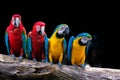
[
  {"x": 56, "y": 46},
  {"x": 78, "y": 52}
]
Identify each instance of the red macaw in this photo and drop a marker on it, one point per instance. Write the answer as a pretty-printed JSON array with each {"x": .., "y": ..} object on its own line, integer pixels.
[
  {"x": 16, "y": 38},
  {"x": 36, "y": 42}
]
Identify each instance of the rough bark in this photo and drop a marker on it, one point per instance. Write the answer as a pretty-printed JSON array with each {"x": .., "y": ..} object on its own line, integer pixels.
[{"x": 29, "y": 70}]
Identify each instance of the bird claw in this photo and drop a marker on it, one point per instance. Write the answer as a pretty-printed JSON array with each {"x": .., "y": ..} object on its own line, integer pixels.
[
  {"x": 34, "y": 60},
  {"x": 59, "y": 65},
  {"x": 13, "y": 56},
  {"x": 20, "y": 59},
  {"x": 51, "y": 63},
  {"x": 76, "y": 67},
  {"x": 82, "y": 66},
  {"x": 43, "y": 60},
  {"x": 46, "y": 60}
]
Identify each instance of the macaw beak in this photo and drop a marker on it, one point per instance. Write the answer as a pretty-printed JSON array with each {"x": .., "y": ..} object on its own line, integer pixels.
[
  {"x": 40, "y": 30},
  {"x": 66, "y": 31},
  {"x": 85, "y": 39},
  {"x": 63, "y": 31},
  {"x": 17, "y": 22},
  {"x": 90, "y": 39}
]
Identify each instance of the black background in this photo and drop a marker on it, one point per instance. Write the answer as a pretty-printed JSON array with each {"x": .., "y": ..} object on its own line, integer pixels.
[{"x": 81, "y": 16}]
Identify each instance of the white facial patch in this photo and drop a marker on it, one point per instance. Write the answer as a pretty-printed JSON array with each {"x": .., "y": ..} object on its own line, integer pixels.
[
  {"x": 37, "y": 28},
  {"x": 13, "y": 20},
  {"x": 84, "y": 40},
  {"x": 43, "y": 29},
  {"x": 17, "y": 22},
  {"x": 61, "y": 30}
]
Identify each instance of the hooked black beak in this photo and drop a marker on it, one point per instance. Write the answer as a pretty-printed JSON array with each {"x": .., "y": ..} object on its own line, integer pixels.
[
  {"x": 40, "y": 32},
  {"x": 15, "y": 24},
  {"x": 81, "y": 43},
  {"x": 85, "y": 40},
  {"x": 66, "y": 31}
]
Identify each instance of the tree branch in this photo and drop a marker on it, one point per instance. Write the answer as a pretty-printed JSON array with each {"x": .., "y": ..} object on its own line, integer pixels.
[{"x": 29, "y": 70}]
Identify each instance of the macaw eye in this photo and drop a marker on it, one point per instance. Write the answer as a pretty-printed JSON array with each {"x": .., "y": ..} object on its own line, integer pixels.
[
  {"x": 85, "y": 38},
  {"x": 62, "y": 28},
  {"x": 13, "y": 20}
]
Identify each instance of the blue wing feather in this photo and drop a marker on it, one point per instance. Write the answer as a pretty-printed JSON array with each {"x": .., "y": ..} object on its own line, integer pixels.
[
  {"x": 7, "y": 43},
  {"x": 29, "y": 43},
  {"x": 70, "y": 48},
  {"x": 24, "y": 43},
  {"x": 46, "y": 48}
]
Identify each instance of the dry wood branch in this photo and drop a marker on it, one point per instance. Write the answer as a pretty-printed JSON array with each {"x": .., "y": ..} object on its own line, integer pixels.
[{"x": 29, "y": 70}]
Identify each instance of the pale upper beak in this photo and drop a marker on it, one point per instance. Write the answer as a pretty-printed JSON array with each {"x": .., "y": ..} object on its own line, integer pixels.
[{"x": 16, "y": 22}]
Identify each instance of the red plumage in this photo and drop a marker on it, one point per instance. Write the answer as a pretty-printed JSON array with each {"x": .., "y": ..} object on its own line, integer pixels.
[
  {"x": 15, "y": 39},
  {"x": 37, "y": 42}
]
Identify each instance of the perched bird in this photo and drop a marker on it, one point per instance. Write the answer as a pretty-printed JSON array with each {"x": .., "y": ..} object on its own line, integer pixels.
[
  {"x": 36, "y": 42},
  {"x": 78, "y": 48},
  {"x": 16, "y": 38},
  {"x": 57, "y": 44}
]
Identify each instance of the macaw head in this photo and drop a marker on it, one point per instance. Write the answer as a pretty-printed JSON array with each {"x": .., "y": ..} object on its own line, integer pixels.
[
  {"x": 16, "y": 20},
  {"x": 39, "y": 27},
  {"x": 84, "y": 38},
  {"x": 63, "y": 30}
]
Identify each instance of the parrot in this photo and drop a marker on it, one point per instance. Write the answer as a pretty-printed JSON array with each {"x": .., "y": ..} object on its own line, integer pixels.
[
  {"x": 78, "y": 49},
  {"x": 16, "y": 38},
  {"x": 36, "y": 42},
  {"x": 57, "y": 45}
]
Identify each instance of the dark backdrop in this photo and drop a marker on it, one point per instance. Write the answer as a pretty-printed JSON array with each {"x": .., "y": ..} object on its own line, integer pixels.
[{"x": 82, "y": 16}]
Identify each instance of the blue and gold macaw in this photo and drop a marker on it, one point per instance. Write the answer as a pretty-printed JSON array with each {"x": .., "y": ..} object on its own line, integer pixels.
[
  {"x": 78, "y": 49},
  {"x": 57, "y": 44}
]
